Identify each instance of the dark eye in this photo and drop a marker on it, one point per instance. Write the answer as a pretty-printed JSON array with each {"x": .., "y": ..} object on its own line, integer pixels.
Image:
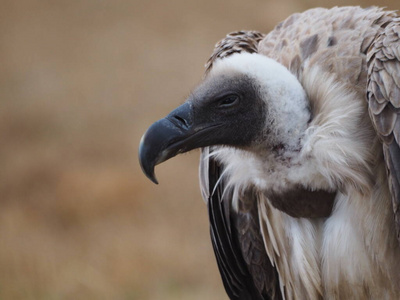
[{"x": 228, "y": 101}]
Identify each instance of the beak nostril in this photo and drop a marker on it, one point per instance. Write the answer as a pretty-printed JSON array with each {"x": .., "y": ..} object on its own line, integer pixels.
[
  {"x": 181, "y": 117},
  {"x": 181, "y": 121}
]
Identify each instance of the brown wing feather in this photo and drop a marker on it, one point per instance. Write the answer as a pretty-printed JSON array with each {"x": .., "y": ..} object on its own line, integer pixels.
[
  {"x": 245, "y": 268},
  {"x": 383, "y": 96},
  {"x": 334, "y": 39},
  {"x": 247, "y": 228}
]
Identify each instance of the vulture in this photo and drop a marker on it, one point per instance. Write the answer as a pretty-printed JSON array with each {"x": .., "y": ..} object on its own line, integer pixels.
[{"x": 299, "y": 131}]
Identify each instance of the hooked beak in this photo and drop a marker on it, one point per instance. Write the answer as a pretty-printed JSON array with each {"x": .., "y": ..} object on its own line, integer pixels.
[{"x": 174, "y": 134}]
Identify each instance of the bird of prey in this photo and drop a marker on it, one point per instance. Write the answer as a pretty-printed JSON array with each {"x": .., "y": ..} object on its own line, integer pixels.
[{"x": 299, "y": 131}]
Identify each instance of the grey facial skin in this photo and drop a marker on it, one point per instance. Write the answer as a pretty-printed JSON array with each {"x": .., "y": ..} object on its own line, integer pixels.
[{"x": 210, "y": 116}]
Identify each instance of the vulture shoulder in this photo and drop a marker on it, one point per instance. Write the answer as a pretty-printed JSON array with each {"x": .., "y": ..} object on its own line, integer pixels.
[{"x": 383, "y": 95}]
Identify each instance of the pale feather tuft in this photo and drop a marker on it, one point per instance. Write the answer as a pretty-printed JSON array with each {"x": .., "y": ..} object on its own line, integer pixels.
[{"x": 338, "y": 138}]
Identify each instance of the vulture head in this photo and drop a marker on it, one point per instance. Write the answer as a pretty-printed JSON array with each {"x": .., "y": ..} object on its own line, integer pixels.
[{"x": 247, "y": 101}]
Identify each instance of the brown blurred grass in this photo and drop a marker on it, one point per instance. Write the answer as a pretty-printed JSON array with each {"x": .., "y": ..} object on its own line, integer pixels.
[{"x": 79, "y": 84}]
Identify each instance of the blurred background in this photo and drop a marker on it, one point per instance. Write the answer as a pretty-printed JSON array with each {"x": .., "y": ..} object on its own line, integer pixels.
[{"x": 80, "y": 82}]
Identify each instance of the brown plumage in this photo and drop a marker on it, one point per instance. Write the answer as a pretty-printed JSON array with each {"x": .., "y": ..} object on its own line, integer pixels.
[
  {"x": 235, "y": 42},
  {"x": 304, "y": 204},
  {"x": 383, "y": 94}
]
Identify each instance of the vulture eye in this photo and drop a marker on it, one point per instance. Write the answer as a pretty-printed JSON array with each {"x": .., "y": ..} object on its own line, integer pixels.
[{"x": 228, "y": 101}]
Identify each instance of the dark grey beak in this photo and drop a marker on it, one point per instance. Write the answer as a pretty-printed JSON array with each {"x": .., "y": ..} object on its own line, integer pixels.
[
  {"x": 164, "y": 139},
  {"x": 176, "y": 133}
]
